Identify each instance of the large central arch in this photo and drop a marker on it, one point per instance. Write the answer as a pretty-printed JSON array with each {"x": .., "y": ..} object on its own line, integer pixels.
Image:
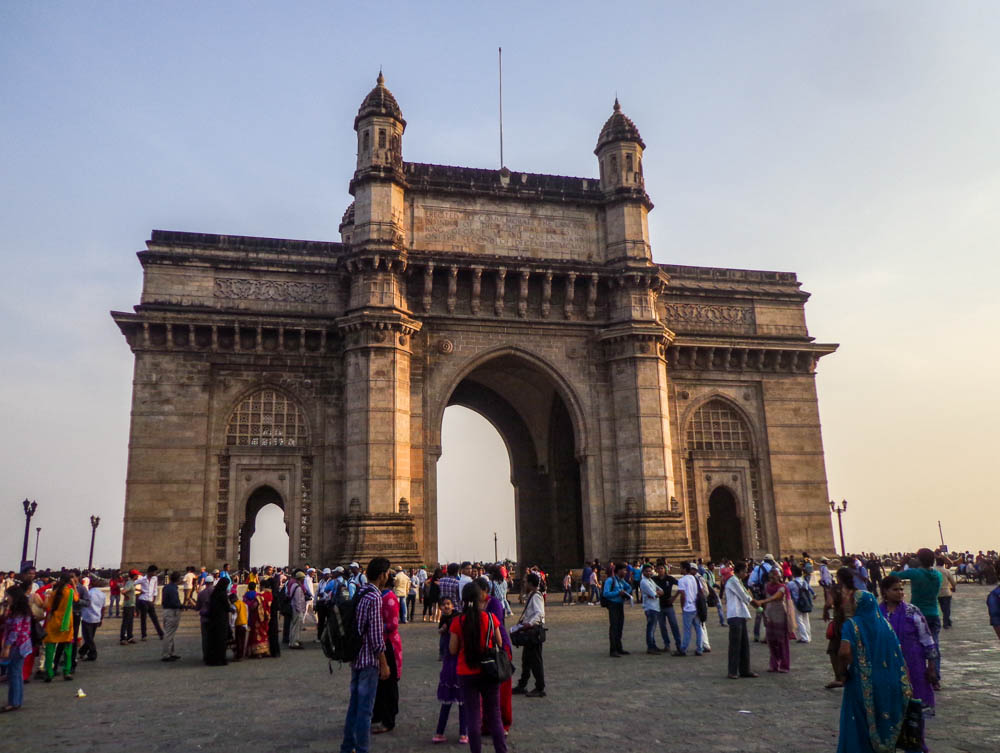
[{"x": 537, "y": 416}]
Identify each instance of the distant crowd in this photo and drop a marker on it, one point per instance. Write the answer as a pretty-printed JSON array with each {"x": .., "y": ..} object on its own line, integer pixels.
[{"x": 50, "y": 620}]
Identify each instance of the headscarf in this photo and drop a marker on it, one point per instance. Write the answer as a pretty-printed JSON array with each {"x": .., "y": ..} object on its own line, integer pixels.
[
  {"x": 877, "y": 661},
  {"x": 218, "y": 603}
]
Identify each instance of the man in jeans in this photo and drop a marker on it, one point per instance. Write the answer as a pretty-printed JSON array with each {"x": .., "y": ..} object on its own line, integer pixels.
[
  {"x": 948, "y": 584},
  {"x": 651, "y": 594},
  {"x": 370, "y": 665},
  {"x": 616, "y": 591},
  {"x": 171, "y": 617},
  {"x": 667, "y": 582},
  {"x": 688, "y": 587},
  {"x": 738, "y": 603}
]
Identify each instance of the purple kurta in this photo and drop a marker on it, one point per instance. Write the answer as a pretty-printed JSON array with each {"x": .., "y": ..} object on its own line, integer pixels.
[{"x": 917, "y": 644}]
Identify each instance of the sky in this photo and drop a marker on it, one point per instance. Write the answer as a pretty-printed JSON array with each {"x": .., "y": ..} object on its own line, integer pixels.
[{"x": 854, "y": 143}]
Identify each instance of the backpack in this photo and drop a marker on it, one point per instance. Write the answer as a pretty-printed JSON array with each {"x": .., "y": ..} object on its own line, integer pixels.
[
  {"x": 804, "y": 600},
  {"x": 341, "y": 593},
  {"x": 700, "y": 602},
  {"x": 605, "y": 601},
  {"x": 340, "y": 638},
  {"x": 284, "y": 603}
]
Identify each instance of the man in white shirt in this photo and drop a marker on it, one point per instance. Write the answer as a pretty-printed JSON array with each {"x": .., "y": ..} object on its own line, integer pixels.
[
  {"x": 146, "y": 602},
  {"x": 533, "y": 618},
  {"x": 797, "y": 586},
  {"x": 688, "y": 588},
  {"x": 188, "y": 589},
  {"x": 90, "y": 619},
  {"x": 738, "y": 605},
  {"x": 651, "y": 594}
]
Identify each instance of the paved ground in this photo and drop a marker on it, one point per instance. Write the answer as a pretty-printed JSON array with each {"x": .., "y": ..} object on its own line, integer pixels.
[{"x": 638, "y": 703}]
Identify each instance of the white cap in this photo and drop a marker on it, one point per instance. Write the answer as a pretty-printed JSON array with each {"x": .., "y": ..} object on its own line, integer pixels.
[
  {"x": 209, "y": 579},
  {"x": 355, "y": 564}
]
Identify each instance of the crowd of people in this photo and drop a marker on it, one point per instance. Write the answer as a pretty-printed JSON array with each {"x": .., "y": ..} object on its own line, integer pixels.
[{"x": 885, "y": 656}]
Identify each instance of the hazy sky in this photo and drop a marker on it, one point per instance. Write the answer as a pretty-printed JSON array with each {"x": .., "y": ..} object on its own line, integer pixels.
[{"x": 853, "y": 143}]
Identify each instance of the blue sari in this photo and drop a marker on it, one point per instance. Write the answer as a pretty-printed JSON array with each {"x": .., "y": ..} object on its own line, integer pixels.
[{"x": 877, "y": 689}]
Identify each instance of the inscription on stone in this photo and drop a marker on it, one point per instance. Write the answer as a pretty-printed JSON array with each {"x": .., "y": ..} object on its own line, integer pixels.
[
  {"x": 709, "y": 316},
  {"x": 271, "y": 290}
]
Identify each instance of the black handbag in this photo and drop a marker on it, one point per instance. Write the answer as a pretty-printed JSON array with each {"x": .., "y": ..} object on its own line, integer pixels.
[
  {"x": 494, "y": 666},
  {"x": 528, "y": 635},
  {"x": 911, "y": 736}
]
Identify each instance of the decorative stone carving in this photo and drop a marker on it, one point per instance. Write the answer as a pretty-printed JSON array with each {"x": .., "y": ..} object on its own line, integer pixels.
[
  {"x": 445, "y": 346},
  {"x": 452, "y": 288},
  {"x": 522, "y": 294},
  {"x": 546, "y": 294},
  {"x": 498, "y": 303},
  {"x": 477, "y": 286},
  {"x": 570, "y": 293},
  {"x": 710, "y": 316},
  {"x": 428, "y": 286},
  {"x": 271, "y": 290}
]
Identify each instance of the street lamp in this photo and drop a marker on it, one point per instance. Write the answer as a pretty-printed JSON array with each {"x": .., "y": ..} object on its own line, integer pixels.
[
  {"x": 38, "y": 532},
  {"x": 94, "y": 522},
  {"x": 29, "y": 510},
  {"x": 840, "y": 510}
]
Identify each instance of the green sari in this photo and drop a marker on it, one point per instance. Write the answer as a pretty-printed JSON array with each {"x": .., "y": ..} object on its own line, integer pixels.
[{"x": 877, "y": 689}]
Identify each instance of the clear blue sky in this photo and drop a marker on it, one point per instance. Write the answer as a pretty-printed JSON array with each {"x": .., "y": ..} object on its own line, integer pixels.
[{"x": 853, "y": 142}]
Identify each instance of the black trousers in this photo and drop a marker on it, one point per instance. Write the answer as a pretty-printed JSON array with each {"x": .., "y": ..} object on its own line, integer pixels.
[
  {"x": 945, "y": 603},
  {"x": 739, "y": 647},
  {"x": 148, "y": 609},
  {"x": 286, "y": 628},
  {"x": 616, "y": 625},
  {"x": 531, "y": 664},
  {"x": 89, "y": 650},
  {"x": 128, "y": 620}
]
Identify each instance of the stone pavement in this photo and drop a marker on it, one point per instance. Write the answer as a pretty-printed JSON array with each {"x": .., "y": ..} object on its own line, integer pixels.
[{"x": 637, "y": 703}]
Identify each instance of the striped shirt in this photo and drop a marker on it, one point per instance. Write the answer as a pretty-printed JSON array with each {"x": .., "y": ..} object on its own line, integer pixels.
[
  {"x": 450, "y": 589},
  {"x": 368, "y": 618}
]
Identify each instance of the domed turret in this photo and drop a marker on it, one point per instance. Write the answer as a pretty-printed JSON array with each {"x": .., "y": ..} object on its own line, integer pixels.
[
  {"x": 619, "y": 127},
  {"x": 380, "y": 127},
  {"x": 619, "y": 153}
]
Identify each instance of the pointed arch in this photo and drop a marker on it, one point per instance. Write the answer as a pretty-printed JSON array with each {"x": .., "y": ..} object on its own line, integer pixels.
[{"x": 267, "y": 416}]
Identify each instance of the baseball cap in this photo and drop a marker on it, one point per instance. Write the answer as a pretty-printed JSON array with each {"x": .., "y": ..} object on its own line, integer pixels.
[
  {"x": 355, "y": 564},
  {"x": 326, "y": 571},
  {"x": 133, "y": 572},
  {"x": 769, "y": 557},
  {"x": 209, "y": 579}
]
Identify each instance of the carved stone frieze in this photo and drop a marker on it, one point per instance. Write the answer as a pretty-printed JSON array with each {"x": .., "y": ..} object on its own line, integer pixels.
[
  {"x": 709, "y": 316},
  {"x": 271, "y": 290}
]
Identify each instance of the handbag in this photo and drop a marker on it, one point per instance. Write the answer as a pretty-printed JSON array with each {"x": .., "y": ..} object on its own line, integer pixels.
[
  {"x": 911, "y": 736},
  {"x": 494, "y": 666},
  {"x": 829, "y": 630},
  {"x": 528, "y": 635}
]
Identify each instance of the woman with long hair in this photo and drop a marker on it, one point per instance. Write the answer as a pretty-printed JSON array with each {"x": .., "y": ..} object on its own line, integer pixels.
[
  {"x": 273, "y": 630},
  {"x": 59, "y": 626},
  {"x": 842, "y": 596},
  {"x": 218, "y": 624},
  {"x": 432, "y": 595},
  {"x": 471, "y": 633},
  {"x": 16, "y": 642},
  {"x": 494, "y": 605},
  {"x": 915, "y": 640},
  {"x": 387, "y": 692},
  {"x": 259, "y": 618},
  {"x": 779, "y": 621},
  {"x": 876, "y": 688}
]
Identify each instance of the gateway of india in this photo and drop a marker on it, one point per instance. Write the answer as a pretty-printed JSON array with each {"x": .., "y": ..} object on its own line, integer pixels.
[{"x": 648, "y": 409}]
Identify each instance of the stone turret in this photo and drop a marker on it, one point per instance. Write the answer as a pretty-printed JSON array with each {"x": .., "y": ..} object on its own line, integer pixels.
[{"x": 619, "y": 154}]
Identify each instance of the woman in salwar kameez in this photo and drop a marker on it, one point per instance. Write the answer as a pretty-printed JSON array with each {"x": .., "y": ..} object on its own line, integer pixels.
[
  {"x": 779, "y": 621},
  {"x": 259, "y": 618},
  {"x": 387, "y": 693},
  {"x": 915, "y": 640},
  {"x": 59, "y": 627}
]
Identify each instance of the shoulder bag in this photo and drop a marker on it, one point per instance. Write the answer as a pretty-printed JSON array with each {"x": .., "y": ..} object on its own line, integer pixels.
[{"x": 494, "y": 666}]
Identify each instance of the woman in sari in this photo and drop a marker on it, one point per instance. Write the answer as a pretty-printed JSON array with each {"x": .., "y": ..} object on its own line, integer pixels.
[
  {"x": 876, "y": 688},
  {"x": 218, "y": 624},
  {"x": 779, "y": 621},
  {"x": 259, "y": 614},
  {"x": 387, "y": 693},
  {"x": 915, "y": 640},
  {"x": 59, "y": 627}
]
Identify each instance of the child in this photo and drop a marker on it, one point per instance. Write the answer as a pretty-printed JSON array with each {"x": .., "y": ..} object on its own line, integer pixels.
[
  {"x": 238, "y": 620},
  {"x": 448, "y": 689}
]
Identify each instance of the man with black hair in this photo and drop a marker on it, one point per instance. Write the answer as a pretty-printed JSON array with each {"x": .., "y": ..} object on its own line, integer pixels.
[
  {"x": 738, "y": 604},
  {"x": 533, "y": 618},
  {"x": 449, "y": 587},
  {"x": 689, "y": 587},
  {"x": 147, "y": 601},
  {"x": 616, "y": 591},
  {"x": 371, "y": 664},
  {"x": 925, "y": 585}
]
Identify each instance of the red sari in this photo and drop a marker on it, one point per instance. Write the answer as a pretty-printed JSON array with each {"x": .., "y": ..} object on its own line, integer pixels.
[{"x": 259, "y": 617}]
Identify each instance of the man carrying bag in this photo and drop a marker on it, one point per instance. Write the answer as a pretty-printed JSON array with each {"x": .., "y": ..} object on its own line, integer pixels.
[{"x": 529, "y": 633}]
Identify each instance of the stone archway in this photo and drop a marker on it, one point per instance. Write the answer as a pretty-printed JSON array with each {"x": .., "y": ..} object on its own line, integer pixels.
[
  {"x": 258, "y": 499},
  {"x": 725, "y": 534},
  {"x": 526, "y": 406}
]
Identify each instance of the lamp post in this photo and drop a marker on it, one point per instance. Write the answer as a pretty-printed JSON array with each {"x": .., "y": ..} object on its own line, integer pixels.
[
  {"x": 840, "y": 510},
  {"x": 29, "y": 510},
  {"x": 94, "y": 522},
  {"x": 496, "y": 557},
  {"x": 38, "y": 532}
]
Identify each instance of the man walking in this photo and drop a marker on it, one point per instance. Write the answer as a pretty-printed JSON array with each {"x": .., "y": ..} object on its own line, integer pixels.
[
  {"x": 128, "y": 608},
  {"x": 147, "y": 601},
  {"x": 370, "y": 665},
  {"x": 532, "y": 618},
  {"x": 172, "y": 606},
  {"x": 689, "y": 588},
  {"x": 91, "y": 618},
  {"x": 948, "y": 584},
  {"x": 802, "y": 599},
  {"x": 616, "y": 591},
  {"x": 738, "y": 603}
]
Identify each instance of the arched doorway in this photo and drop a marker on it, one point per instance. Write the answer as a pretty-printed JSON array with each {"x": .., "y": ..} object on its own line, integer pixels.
[
  {"x": 725, "y": 539},
  {"x": 526, "y": 406},
  {"x": 261, "y": 498}
]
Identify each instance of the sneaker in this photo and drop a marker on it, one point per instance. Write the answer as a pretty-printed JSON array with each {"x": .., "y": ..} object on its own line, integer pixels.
[
  {"x": 463, "y": 739},
  {"x": 518, "y": 690},
  {"x": 535, "y": 694},
  {"x": 653, "y": 651},
  {"x": 439, "y": 739}
]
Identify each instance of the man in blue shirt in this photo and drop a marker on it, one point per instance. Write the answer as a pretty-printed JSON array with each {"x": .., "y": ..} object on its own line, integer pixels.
[
  {"x": 616, "y": 590},
  {"x": 993, "y": 605}
]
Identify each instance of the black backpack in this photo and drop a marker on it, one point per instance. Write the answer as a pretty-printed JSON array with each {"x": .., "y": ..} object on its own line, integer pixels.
[
  {"x": 804, "y": 601},
  {"x": 340, "y": 638}
]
